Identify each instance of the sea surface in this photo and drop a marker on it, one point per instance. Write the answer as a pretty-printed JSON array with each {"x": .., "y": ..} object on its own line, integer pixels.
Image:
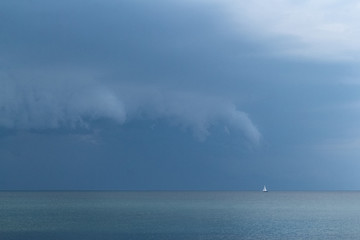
[{"x": 179, "y": 215}]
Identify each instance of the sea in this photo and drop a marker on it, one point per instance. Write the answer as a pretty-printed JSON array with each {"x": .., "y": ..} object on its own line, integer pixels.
[{"x": 105, "y": 215}]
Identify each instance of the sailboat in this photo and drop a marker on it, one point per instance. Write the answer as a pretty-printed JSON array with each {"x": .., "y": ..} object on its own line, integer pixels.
[{"x": 264, "y": 189}]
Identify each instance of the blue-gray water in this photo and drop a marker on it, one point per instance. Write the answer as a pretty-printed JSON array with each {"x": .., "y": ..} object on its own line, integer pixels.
[{"x": 179, "y": 215}]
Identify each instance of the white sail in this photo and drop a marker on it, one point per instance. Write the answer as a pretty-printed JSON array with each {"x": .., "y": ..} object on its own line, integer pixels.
[{"x": 264, "y": 189}]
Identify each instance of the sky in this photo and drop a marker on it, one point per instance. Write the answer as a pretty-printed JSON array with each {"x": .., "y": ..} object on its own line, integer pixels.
[{"x": 179, "y": 95}]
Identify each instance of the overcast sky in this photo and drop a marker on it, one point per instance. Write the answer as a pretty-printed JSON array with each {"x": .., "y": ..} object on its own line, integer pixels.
[{"x": 179, "y": 95}]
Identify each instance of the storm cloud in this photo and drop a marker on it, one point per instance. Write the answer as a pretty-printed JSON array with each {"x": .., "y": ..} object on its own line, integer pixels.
[
  {"x": 66, "y": 64},
  {"x": 161, "y": 94},
  {"x": 74, "y": 103}
]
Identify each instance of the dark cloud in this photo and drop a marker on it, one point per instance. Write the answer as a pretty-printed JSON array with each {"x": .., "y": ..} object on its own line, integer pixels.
[
  {"x": 73, "y": 62},
  {"x": 117, "y": 94}
]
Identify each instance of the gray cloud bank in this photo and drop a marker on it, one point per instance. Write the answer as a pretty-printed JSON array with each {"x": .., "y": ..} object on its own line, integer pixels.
[
  {"x": 66, "y": 64},
  {"x": 73, "y": 104},
  {"x": 98, "y": 80}
]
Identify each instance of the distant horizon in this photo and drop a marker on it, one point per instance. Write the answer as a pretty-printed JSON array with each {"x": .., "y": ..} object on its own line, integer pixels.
[{"x": 174, "y": 190}]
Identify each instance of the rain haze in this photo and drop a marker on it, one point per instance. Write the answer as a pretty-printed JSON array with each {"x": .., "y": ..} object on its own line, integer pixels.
[{"x": 179, "y": 95}]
